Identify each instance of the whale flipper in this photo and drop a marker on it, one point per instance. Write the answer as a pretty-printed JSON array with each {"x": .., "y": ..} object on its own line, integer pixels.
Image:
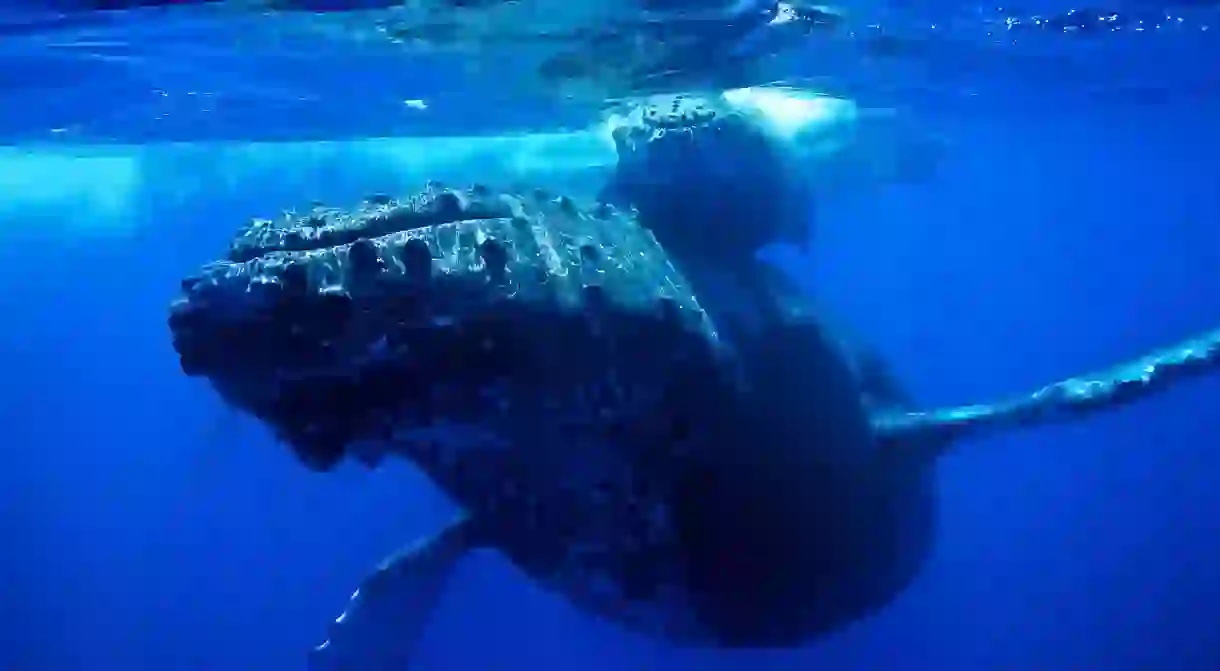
[
  {"x": 1072, "y": 398},
  {"x": 389, "y": 611}
]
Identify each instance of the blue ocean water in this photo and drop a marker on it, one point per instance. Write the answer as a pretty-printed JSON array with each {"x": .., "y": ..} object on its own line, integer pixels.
[{"x": 1069, "y": 225}]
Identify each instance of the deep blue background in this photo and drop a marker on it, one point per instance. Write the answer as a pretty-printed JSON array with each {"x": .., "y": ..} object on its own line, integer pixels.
[{"x": 145, "y": 527}]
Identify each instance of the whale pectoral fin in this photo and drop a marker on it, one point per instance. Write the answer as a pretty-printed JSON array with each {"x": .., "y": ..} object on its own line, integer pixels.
[
  {"x": 388, "y": 613},
  {"x": 928, "y": 434}
]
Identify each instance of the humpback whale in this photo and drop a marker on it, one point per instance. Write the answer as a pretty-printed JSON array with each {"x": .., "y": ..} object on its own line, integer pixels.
[{"x": 688, "y": 452}]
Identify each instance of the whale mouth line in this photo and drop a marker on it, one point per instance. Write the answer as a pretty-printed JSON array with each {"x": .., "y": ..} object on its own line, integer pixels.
[
  {"x": 324, "y": 230},
  {"x": 378, "y": 216}
]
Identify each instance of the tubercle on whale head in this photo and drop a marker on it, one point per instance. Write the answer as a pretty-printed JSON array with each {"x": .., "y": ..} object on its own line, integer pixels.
[
  {"x": 741, "y": 163},
  {"x": 446, "y": 310},
  {"x": 790, "y": 114}
]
